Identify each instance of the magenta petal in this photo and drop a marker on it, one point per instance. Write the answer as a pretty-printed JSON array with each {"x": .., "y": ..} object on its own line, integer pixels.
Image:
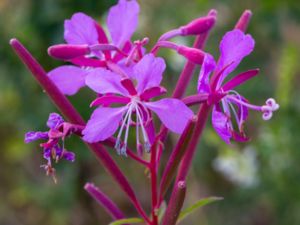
[
  {"x": 172, "y": 112},
  {"x": 234, "y": 46},
  {"x": 102, "y": 124},
  {"x": 69, "y": 79},
  {"x": 88, "y": 62},
  {"x": 104, "y": 81},
  {"x": 153, "y": 92},
  {"x": 208, "y": 66},
  {"x": 150, "y": 129},
  {"x": 239, "y": 79},
  {"x": 148, "y": 72},
  {"x": 122, "y": 21},
  {"x": 221, "y": 125},
  {"x": 110, "y": 99},
  {"x": 242, "y": 113},
  {"x": 80, "y": 29}
]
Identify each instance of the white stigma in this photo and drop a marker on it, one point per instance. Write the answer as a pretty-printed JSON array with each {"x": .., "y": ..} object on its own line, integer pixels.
[{"x": 269, "y": 108}]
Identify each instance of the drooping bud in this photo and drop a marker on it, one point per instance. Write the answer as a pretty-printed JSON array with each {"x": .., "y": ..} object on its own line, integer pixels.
[
  {"x": 67, "y": 52},
  {"x": 192, "y": 54},
  {"x": 198, "y": 26}
]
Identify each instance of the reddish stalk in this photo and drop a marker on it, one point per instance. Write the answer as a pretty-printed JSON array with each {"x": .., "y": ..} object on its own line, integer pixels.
[
  {"x": 111, "y": 208},
  {"x": 153, "y": 171},
  {"x": 202, "y": 118},
  {"x": 67, "y": 109}
]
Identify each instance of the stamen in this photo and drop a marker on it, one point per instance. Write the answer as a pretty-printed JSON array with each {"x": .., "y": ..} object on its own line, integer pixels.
[
  {"x": 118, "y": 141},
  {"x": 124, "y": 147},
  {"x": 147, "y": 145}
]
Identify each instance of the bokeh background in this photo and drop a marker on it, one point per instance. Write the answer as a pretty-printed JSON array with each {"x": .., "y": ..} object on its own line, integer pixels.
[{"x": 259, "y": 180}]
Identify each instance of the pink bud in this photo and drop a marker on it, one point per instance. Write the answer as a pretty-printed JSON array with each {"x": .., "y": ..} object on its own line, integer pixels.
[
  {"x": 244, "y": 20},
  {"x": 192, "y": 54},
  {"x": 198, "y": 26},
  {"x": 67, "y": 52}
]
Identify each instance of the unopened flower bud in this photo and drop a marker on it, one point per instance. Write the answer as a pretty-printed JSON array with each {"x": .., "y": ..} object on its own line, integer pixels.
[
  {"x": 198, "y": 26},
  {"x": 67, "y": 52},
  {"x": 192, "y": 54}
]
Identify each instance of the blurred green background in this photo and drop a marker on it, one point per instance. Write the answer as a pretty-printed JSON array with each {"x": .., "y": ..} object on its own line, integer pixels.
[{"x": 260, "y": 180}]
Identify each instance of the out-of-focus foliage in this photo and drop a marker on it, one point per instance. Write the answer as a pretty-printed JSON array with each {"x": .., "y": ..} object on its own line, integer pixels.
[{"x": 260, "y": 180}]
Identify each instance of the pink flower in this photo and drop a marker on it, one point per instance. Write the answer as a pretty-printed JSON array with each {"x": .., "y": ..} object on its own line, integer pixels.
[
  {"x": 228, "y": 104},
  {"x": 88, "y": 46},
  {"x": 105, "y": 120}
]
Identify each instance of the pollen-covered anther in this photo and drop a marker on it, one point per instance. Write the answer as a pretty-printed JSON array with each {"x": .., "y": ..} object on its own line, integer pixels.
[{"x": 269, "y": 108}]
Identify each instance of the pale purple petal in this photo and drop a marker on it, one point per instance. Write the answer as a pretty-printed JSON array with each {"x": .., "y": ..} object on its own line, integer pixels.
[
  {"x": 35, "y": 135},
  {"x": 173, "y": 113},
  {"x": 104, "y": 81},
  {"x": 70, "y": 156},
  {"x": 68, "y": 79},
  {"x": 221, "y": 125},
  {"x": 47, "y": 154},
  {"x": 208, "y": 66},
  {"x": 148, "y": 72},
  {"x": 234, "y": 46},
  {"x": 80, "y": 29},
  {"x": 103, "y": 124},
  {"x": 54, "y": 120},
  {"x": 122, "y": 21}
]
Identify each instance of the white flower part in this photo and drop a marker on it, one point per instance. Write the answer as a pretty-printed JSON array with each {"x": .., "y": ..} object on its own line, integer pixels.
[
  {"x": 269, "y": 108},
  {"x": 133, "y": 107}
]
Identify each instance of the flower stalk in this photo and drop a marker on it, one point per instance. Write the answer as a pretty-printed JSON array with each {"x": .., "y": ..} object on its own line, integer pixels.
[{"x": 63, "y": 104}]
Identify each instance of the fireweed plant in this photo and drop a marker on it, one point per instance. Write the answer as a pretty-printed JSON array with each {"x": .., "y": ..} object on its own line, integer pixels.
[{"x": 126, "y": 77}]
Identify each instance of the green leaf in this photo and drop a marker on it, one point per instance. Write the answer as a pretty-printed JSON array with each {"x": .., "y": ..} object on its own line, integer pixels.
[
  {"x": 202, "y": 202},
  {"x": 126, "y": 221}
]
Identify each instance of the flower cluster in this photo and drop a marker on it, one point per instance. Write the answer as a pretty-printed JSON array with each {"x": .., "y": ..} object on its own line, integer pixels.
[
  {"x": 52, "y": 149},
  {"x": 126, "y": 78}
]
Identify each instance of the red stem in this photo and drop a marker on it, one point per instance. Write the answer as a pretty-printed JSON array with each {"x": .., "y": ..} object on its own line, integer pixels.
[
  {"x": 67, "y": 109},
  {"x": 153, "y": 171},
  {"x": 110, "y": 207}
]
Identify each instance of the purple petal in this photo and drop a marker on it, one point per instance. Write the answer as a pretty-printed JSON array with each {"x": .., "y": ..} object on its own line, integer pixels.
[
  {"x": 54, "y": 120},
  {"x": 35, "y": 135},
  {"x": 234, "y": 46},
  {"x": 47, "y": 153},
  {"x": 69, "y": 79},
  {"x": 239, "y": 79},
  {"x": 103, "y": 124},
  {"x": 221, "y": 125},
  {"x": 81, "y": 29},
  {"x": 172, "y": 112},
  {"x": 122, "y": 21},
  {"x": 208, "y": 66},
  {"x": 148, "y": 72},
  {"x": 104, "y": 81},
  {"x": 58, "y": 151},
  {"x": 70, "y": 156}
]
